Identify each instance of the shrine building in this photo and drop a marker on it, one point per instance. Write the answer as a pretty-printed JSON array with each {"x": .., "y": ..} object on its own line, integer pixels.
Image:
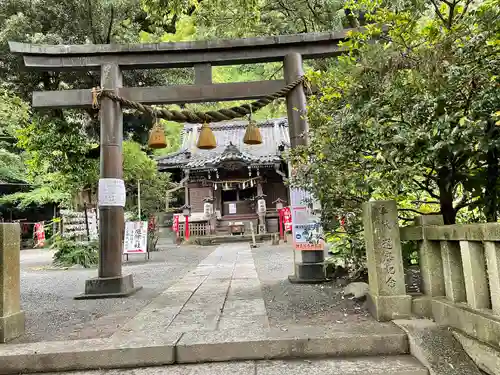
[{"x": 236, "y": 178}]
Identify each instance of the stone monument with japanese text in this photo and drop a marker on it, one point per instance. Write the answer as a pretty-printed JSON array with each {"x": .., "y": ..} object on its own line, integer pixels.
[{"x": 387, "y": 297}]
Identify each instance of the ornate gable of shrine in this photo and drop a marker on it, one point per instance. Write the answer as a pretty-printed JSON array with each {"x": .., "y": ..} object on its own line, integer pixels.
[{"x": 231, "y": 153}]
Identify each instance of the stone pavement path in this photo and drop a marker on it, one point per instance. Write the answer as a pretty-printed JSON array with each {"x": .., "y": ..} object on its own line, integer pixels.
[
  {"x": 397, "y": 365},
  {"x": 234, "y": 302},
  {"x": 223, "y": 292},
  {"x": 52, "y": 314}
]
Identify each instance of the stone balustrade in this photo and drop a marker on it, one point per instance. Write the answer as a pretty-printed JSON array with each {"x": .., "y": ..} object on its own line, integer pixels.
[{"x": 459, "y": 266}]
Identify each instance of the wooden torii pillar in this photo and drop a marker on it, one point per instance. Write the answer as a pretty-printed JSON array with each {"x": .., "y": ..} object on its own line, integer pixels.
[{"x": 110, "y": 60}]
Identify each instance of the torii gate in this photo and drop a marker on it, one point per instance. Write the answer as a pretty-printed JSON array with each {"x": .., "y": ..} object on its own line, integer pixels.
[{"x": 110, "y": 60}]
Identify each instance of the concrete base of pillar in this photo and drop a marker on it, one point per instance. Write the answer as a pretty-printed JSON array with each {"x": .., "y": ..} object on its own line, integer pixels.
[
  {"x": 109, "y": 287},
  {"x": 308, "y": 273},
  {"x": 11, "y": 326},
  {"x": 386, "y": 308}
]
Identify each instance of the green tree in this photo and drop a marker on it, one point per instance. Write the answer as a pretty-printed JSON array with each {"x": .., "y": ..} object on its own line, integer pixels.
[
  {"x": 138, "y": 167},
  {"x": 56, "y": 143},
  {"x": 14, "y": 113},
  {"x": 409, "y": 116}
]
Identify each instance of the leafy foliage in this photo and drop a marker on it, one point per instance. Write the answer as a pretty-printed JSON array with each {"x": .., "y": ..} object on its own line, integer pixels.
[
  {"x": 14, "y": 113},
  {"x": 408, "y": 117},
  {"x": 70, "y": 252}
]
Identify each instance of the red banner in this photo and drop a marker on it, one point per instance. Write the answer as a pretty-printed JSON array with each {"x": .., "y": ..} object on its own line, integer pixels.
[
  {"x": 287, "y": 219},
  {"x": 175, "y": 224},
  {"x": 39, "y": 234}
]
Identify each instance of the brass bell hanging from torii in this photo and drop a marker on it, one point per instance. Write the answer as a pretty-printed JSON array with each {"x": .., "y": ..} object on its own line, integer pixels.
[
  {"x": 206, "y": 140},
  {"x": 157, "y": 136},
  {"x": 252, "y": 133}
]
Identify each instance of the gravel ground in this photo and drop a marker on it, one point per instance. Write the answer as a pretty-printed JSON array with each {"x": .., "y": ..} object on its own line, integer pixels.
[
  {"x": 52, "y": 313},
  {"x": 301, "y": 304}
]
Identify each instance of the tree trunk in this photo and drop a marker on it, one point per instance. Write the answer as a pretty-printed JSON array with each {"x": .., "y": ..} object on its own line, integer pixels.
[
  {"x": 445, "y": 184},
  {"x": 490, "y": 192}
]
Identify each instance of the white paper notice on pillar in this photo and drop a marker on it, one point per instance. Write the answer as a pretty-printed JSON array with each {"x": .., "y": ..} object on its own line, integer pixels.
[
  {"x": 261, "y": 206},
  {"x": 111, "y": 192},
  {"x": 136, "y": 237},
  {"x": 208, "y": 209}
]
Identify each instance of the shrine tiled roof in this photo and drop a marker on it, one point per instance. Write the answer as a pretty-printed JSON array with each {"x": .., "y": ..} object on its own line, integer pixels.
[{"x": 230, "y": 146}]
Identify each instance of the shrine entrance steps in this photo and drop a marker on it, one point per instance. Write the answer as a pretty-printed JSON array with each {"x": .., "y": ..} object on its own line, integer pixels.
[
  {"x": 223, "y": 313},
  {"x": 225, "y": 238}
]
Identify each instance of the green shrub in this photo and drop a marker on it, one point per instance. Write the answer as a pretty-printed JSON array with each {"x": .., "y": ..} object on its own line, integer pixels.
[{"x": 70, "y": 252}]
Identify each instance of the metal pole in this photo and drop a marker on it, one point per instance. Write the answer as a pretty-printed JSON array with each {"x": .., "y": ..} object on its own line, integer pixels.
[
  {"x": 186, "y": 228},
  {"x": 139, "y": 198},
  {"x": 86, "y": 220},
  {"x": 310, "y": 270}
]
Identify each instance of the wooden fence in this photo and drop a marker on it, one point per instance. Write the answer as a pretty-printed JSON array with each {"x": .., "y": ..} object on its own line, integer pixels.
[
  {"x": 195, "y": 229},
  {"x": 459, "y": 265}
]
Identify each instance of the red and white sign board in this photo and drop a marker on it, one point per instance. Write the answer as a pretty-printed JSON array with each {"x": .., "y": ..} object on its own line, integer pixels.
[
  {"x": 136, "y": 237},
  {"x": 306, "y": 227}
]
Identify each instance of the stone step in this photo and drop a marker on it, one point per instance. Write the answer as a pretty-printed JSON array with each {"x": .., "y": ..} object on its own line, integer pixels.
[
  {"x": 227, "y": 238},
  {"x": 392, "y": 365},
  {"x": 157, "y": 348}
]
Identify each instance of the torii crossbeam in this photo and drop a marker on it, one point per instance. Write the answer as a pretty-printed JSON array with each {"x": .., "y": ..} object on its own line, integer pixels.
[{"x": 110, "y": 60}]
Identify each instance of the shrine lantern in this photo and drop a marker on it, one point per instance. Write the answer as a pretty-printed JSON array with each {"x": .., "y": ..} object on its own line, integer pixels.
[
  {"x": 157, "y": 137},
  {"x": 279, "y": 204},
  {"x": 186, "y": 210}
]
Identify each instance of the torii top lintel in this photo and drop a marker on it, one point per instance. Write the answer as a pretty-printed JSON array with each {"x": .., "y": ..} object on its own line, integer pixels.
[{"x": 180, "y": 54}]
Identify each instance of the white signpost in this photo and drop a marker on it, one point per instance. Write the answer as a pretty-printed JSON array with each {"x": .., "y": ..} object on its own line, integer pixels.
[{"x": 136, "y": 238}]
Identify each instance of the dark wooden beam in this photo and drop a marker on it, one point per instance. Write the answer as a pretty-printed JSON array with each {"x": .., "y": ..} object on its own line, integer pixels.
[
  {"x": 183, "y": 54},
  {"x": 163, "y": 95}
]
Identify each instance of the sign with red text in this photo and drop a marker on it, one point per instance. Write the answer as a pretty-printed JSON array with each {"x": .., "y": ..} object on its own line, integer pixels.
[
  {"x": 136, "y": 237},
  {"x": 306, "y": 227}
]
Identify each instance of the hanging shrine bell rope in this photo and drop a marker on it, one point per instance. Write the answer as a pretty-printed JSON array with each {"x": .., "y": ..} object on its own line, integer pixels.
[{"x": 193, "y": 117}]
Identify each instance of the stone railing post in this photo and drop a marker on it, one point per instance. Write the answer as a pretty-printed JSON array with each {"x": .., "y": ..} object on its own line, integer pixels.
[
  {"x": 387, "y": 297},
  {"x": 11, "y": 316},
  {"x": 431, "y": 263},
  {"x": 431, "y": 268}
]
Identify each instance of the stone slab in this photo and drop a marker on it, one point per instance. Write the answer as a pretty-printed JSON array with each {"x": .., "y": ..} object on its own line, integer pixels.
[
  {"x": 151, "y": 321},
  {"x": 437, "y": 349},
  {"x": 258, "y": 322},
  {"x": 109, "y": 287},
  {"x": 482, "y": 325},
  {"x": 12, "y": 326},
  {"x": 421, "y": 306},
  {"x": 386, "y": 308},
  {"x": 394, "y": 365},
  {"x": 170, "y": 298},
  {"x": 244, "y": 307},
  {"x": 246, "y": 344},
  {"x": 87, "y": 354},
  {"x": 484, "y": 356}
]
